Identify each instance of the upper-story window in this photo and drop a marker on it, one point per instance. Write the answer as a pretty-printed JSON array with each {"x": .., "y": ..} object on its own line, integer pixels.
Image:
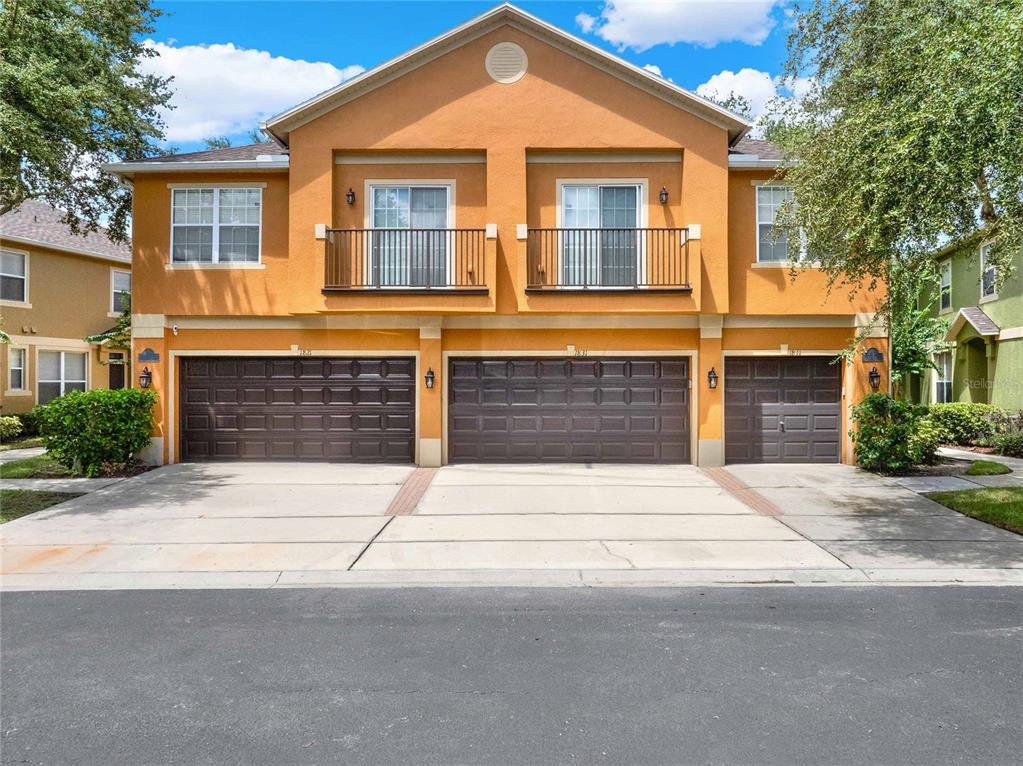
[
  {"x": 216, "y": 225},
  {"x": 945, "y": 286},
  {"x": 13, "y": 276},
  {"x": 988, "y": 273},
  {"x": 772, "y": 243},
  {"x": 410, "y": 246},
  {"x": 120, "y": 290}
]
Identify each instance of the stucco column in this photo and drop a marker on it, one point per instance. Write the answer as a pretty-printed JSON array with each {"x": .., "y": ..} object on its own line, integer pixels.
[
  {"x": 506, "y": 206},
  {"x": 144, "y": 347},
  {"x": 431, "y": 409},
  {"x": 711, "y": 445}
]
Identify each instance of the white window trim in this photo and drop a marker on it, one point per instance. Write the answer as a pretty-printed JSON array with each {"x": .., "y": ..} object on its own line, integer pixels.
[
  {"x": 642, "y": 209},
  {"x": 993, "y": 296},
  {"x": 391, "y": 183},
  {"x": 115, "y": 312},
  {"x": 62, "y": 351},
  {"x": 946, "y": 264},
  {"x": 216, "y": 262},
  {"x": 24, "y": 389},
  {"x": 803, "y": 261},
  {"x": 25, "y": 304},
  {"x": 936, "y": 375}
]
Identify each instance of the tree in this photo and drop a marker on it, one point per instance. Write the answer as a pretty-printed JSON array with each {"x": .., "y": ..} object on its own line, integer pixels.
[
  {"x": 74, "y": 95},
  {"x": 911, "y": 135},
  {"x": 217, "y": 142}
]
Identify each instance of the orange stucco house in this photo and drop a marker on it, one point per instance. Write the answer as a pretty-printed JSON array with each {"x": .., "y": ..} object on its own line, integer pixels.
[{"x": 505, "y": 245}]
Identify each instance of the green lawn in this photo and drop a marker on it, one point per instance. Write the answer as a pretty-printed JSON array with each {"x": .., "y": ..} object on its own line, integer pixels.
[
  {"x": 39, "y": 467},
  {"x": 999, "y": 506},
  {"x": 22, "y": 442},
  {"x": 15, "y": 503},
  {"x": 987, "y": 468}
]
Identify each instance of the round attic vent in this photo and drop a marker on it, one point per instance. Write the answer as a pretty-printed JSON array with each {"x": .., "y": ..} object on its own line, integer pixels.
[{"x": 506, "y": 62}]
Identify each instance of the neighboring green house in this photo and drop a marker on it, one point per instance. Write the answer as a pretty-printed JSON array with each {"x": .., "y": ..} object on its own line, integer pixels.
[{"x": 983, "y": 361}]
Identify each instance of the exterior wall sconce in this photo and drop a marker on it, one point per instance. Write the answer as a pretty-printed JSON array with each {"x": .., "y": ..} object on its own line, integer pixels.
[
  {"x": 350, "y": 196},
  {"x": 712, "y": 379},
  {"x": 430, "y": 378},
  {"x": 663, "y": 196},
  {"x": 875, "y": 378},
  {"x": 145, "y": 377}
]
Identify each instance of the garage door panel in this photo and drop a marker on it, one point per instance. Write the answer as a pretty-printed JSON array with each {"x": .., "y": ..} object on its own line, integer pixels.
[
  {"x": 792, "y": 415},
  {"x": 568, "y": 409},
  {"x": 298, "y": 409}
]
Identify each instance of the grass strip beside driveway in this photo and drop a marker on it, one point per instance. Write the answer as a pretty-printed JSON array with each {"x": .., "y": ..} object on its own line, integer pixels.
[
  {"x": 38, "y": 467},
  {"x": 22, "y": 442},
  {"x": 15, "y": 503},
  {"x": 999, "y": 506},
  {"x": 987, "y": 468}
]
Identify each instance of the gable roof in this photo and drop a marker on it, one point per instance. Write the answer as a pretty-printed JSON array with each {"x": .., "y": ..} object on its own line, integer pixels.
[
  {"x": 267, "y": 155},
  {"x": 282, "y": 124},
  {"x": 36, "y": 223},
  {"x": 755, "y": 153},
  {"x": 976, "y": 318}
]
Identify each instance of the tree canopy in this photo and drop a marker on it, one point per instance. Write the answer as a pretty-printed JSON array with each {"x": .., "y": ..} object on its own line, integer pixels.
[
  {"x": 73, "y": 95},
  {"x": 912, "y": 134}
]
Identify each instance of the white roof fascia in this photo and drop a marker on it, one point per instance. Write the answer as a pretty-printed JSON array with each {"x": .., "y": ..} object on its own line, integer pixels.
[{"x": 752, "y": 161}]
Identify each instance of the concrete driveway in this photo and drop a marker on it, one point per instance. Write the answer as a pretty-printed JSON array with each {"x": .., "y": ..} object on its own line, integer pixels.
[{"x": 277, "y": 524}]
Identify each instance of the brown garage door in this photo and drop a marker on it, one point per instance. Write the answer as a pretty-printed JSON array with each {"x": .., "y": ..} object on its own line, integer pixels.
[
  {"x": 248, "y": 408},
  {"x": 568, "y": 410},
  {"x": 782, "y": 410}
]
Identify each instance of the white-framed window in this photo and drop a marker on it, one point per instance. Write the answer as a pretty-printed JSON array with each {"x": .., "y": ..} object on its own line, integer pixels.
[
  {"x": 216, "y": 224},
  {"x": 601, "y": 244},
  {"x": 988, "y": 273},
  {"x": 945, "y": 286},
  {"x": 405, "y": 251},
  {"x": 14, "y": 276},
  {"x": 60, "y": 372},
  {"x": 17, "y": 372},
  {"x": 943, "y": 377},
  {"x": 772, "y": 244},
  {"x": 120, "y": 290}
]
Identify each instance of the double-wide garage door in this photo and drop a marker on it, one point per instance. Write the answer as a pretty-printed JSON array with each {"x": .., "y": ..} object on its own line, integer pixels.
[
  {"x": 782, "y": 410},
  {"x": 286, "y": 408},
  {"x": 569, "y": 410}
]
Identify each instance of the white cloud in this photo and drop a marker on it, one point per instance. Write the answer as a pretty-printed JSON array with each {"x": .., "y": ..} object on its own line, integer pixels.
[
  {"x": 642, "y": 25},
  {"x": 223, "y": 90},
  {"x": 654, "y": 69},
  {"x": 759, "y": 88}
]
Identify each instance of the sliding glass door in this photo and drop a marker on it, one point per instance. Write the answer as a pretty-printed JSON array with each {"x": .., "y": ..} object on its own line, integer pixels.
[
  {"x": 600, "y": 246},
  {"x": 409, "y": 244}
]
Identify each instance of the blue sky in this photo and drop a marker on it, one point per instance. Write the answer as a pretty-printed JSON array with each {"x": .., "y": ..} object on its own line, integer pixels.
[{"x": 235, "y": 63}]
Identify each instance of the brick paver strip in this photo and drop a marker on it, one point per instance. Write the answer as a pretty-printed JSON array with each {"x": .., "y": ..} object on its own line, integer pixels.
[
  {"x": 742, "y": 492},
  {"x": 411, "y": 492}
]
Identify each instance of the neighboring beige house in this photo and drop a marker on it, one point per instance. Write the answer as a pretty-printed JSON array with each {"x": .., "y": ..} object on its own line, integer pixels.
[{"x": 56, "y": 288}]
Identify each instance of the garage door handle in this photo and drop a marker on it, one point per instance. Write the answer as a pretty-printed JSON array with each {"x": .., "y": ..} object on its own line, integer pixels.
[{"x": 782, "y": 424}]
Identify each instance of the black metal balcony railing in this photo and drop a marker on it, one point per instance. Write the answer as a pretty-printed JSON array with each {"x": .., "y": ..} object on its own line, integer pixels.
[
  {"x": 607, "y": 259},
  {"x": 419, "y": 260}
]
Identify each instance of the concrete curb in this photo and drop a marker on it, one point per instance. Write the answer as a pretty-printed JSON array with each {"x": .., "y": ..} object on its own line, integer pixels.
[{"x": 568, "y": 578}]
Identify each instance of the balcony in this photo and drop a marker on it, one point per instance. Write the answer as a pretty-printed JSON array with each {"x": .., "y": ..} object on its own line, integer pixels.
[
  {"x": 395, "y": 261},
  {"x": 607, "y": 260}
]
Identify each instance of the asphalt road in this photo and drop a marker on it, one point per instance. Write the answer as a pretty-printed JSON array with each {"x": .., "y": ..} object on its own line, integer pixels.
[{"x": 519, "y": 676}]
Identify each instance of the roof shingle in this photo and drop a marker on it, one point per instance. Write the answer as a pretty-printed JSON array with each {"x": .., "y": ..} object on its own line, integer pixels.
[
  {"x": 35, "y": 221},
  {"x": 766, "y": 150},
  {"x": 227, "y": 154}
]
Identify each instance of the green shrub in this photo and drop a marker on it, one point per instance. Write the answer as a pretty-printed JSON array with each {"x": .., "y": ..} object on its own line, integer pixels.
[
  {"x": 885, "y": 434},
  {"x": 10, "y": 426},
  {"x": 30, "y": 420},
  {"x": 965, "y": 423},
  {"x": 85, "y": 430},
  {"x": 924, "y": 441},
  {"x": 1010, "y": 444}
]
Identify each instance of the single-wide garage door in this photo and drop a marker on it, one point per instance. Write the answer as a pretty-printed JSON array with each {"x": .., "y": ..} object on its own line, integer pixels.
[
  {"x": 782, "y": 409},
  {"x": 569, "y": 410},
  {"x": 276, "y": 408}
]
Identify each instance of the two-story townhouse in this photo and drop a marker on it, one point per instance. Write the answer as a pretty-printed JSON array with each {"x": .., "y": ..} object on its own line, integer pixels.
[
  {"x": 983, "y": 358},
  {"x": 56, "y": 289},
  {"x": 504, "y": 245}
]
